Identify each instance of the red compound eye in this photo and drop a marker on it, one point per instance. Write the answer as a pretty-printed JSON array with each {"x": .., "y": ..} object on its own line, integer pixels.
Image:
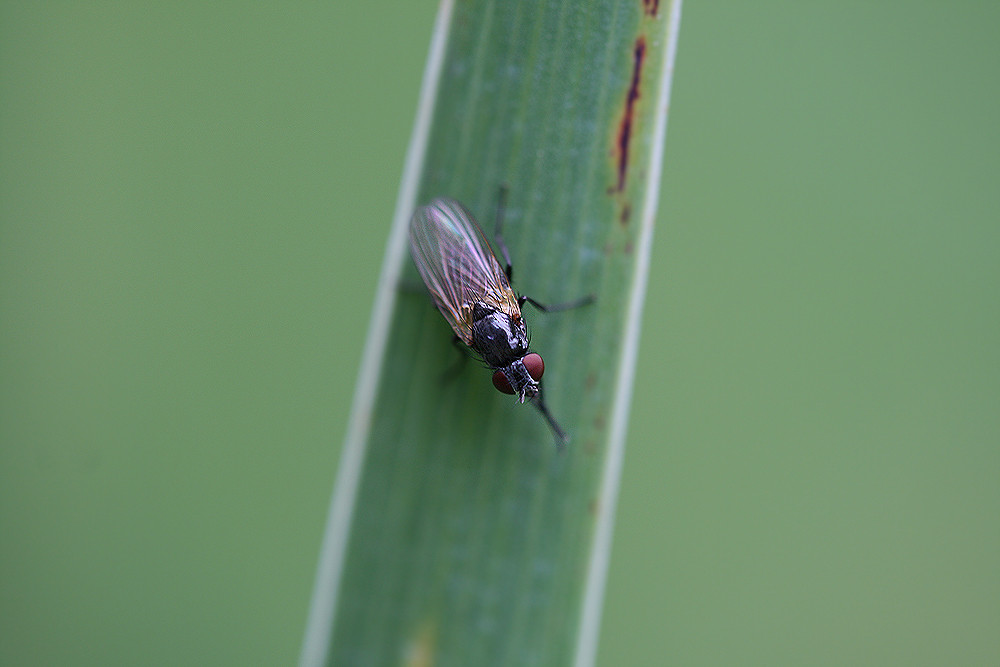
[{"x": 532, "y": 363}]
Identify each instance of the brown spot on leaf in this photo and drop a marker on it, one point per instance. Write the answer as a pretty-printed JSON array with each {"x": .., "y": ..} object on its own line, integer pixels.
[
  {"x": 650, "y": 7},
  {"x": 625, "y": 215},
  {"x": 628, "y": 114}
]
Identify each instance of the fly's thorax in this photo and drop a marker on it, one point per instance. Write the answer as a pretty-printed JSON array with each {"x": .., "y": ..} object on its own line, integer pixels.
[
  {"x": 520, "y": 380},
  {"x": 501, "y": 338}
]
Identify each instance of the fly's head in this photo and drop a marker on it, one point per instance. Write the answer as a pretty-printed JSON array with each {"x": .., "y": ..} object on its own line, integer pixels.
[{"x": 522, "y": 377}]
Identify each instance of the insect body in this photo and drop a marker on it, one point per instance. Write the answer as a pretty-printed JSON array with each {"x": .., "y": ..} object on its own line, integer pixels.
[{"x": 474, "y": 294}]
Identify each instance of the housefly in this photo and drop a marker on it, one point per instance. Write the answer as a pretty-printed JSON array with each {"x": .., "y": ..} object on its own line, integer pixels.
[{"x": 474, "y": 294}]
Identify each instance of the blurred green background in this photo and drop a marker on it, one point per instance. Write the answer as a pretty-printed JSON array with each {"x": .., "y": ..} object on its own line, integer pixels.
[{"x": 194, "y": 202}]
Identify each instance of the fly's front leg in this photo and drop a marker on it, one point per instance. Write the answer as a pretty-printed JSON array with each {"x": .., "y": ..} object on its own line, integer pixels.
[{"x": 560, "y": 435}]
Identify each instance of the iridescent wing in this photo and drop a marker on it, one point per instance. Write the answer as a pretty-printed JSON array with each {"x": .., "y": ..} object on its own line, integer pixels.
[{"x": 457, "y": 264}]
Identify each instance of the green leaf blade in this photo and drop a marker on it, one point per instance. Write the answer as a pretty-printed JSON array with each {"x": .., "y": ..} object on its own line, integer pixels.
[{"x": 459, "y": 535}]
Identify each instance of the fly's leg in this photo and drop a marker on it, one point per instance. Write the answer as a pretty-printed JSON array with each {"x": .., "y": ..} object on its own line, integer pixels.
[
  {"x": 560, "y": 435},
  {"x": 498, "y": 231},
  {"x": 556, "y": 307},
  {"x": 508, "y": 268}
]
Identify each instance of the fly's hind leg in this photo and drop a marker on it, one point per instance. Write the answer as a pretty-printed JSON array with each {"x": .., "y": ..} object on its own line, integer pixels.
[
  {"x": 508, "y": 269},
  {"x": 498, "y": 231}
]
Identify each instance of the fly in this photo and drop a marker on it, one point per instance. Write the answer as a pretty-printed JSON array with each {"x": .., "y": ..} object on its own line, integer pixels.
[{"x": 474, "y": 294}]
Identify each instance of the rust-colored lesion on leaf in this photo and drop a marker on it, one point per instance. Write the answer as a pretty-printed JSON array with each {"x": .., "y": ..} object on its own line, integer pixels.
[
  {"x": 625, "y": 125},
  {"x": 650, "y": 7},
  {"x": 625, "y": 215}
]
